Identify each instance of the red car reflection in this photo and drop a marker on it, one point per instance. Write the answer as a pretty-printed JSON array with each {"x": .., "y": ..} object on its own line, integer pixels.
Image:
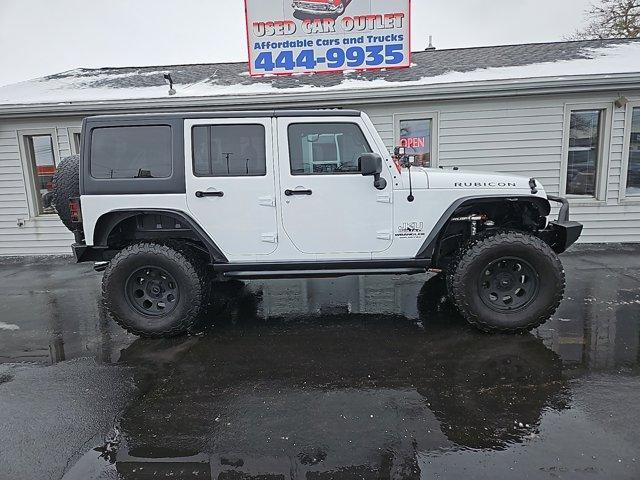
[{"x": 320, "y": 7}]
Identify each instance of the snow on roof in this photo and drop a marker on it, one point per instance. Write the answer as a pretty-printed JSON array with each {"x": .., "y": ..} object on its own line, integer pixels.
[{"x": 548, "y": 61}]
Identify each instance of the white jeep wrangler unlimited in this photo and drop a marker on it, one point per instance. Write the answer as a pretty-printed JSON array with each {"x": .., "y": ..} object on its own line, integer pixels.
[{"x": 171, "y": 200}]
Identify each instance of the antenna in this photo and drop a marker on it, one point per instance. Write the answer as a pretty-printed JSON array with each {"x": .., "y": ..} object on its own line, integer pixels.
[
  {"x": 430, "y": 47},
  {"x": 167, "y": 77}
]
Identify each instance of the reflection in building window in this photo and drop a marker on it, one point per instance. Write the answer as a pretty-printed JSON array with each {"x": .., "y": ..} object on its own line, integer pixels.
[
  {"x": 415, "y": 136},
  {"x": 585, "y": 138},
  {"x": 633, "y": 172},
  {"x": 76, "y": 142},
  {"x": 41, "y": 157}
]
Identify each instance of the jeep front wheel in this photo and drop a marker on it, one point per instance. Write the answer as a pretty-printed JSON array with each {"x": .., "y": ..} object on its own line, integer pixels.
[
  {"x": 155, "y": 290},
  {"x": 507, "y": 282}
]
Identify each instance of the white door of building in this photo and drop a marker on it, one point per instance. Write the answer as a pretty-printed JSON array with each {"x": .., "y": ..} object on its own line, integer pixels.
[
  {"x": 328, "y": 207},
  {"x": 231, "y": 184}
]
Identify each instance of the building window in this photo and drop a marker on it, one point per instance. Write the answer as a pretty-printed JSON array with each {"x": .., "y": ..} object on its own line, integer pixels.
[
  {"x": 76, "y": 143},
  {"x": 73, "y": 133},
  {"x": 416, "y": 137},
  {"x": 633, "y": 170},
  {"x": 585, "y": 152},
  {"x": 42, "y": 162},
  {"x": 326, "y": 148},
  {"x": 131, "y": 152},
  {"x": 229, "y": 151}
]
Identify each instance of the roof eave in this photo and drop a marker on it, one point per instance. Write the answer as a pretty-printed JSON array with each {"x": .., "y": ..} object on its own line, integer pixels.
[{"x": 390, "y": 94}]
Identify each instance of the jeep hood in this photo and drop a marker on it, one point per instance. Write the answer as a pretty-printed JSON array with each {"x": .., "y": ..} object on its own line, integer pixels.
[{"x": 473, "y": 180}]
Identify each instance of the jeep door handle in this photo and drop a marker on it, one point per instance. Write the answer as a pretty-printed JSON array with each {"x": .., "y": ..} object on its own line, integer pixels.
[
  {"x": 291, "y": 193},
  {"x": 200, "y": 194}
]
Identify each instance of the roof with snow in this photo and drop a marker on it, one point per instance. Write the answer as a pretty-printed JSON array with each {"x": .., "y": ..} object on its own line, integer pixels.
[{"x": 434, "y": 67}]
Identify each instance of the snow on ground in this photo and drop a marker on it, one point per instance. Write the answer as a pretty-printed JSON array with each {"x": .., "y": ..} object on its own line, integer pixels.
[
  {"x": 8, "y": 326},
  {"x": 80, "y": 85}
]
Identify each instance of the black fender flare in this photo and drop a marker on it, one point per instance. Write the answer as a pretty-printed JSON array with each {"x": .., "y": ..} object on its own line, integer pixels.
[
  {"x": 109, "y": 221},
  {"x": 429, "y": 246}
]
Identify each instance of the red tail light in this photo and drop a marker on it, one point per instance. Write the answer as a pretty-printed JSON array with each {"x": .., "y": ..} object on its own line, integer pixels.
[{"x": 74, "y": 210}]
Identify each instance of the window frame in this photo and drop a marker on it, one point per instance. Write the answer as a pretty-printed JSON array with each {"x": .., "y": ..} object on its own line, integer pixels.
[
  {"x": 321, "y": 122},
  {"x": 604, "y": 152},
  {"x": 209, "y": 125},
  {"x": 71, "y": 133},
  {"x": 34, "y": 200},
  {"x": 626, "y": 150},
  {"x": 432, "y": 115}
]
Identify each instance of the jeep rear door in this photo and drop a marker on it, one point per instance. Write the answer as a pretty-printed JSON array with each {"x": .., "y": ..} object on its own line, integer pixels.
[
  {"x": 231, "y": 184},
  {"x": 328, "y": 207}
]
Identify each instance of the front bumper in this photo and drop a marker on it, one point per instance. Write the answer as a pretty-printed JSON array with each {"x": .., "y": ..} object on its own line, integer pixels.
[
  {"x": 314, "y": 7},
  {"x": 561, "y": 233}
]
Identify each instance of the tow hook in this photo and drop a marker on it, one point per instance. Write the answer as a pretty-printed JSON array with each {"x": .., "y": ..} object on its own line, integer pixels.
[{"x": 473, "y": 220}]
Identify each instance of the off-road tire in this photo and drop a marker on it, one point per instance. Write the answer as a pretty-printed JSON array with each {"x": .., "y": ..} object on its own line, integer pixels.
[
  {"x": 182, "y": 263},
  {"x": 464, "y": 276},
  {"x": 66, "y": 185}
]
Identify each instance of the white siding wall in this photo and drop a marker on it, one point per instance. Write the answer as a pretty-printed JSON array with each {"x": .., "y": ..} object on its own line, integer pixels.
[
  {"x": 41, "y": 235},
  {"x": 521, "y": 135},
  {"x": 524, "y": 136}
]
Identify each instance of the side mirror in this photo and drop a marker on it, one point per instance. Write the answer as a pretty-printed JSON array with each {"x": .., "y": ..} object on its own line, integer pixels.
[{"x": 371, "y": 165}]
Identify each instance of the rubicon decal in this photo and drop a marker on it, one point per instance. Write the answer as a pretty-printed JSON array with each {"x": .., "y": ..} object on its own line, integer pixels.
[
  {"x": 327, "y": 35},
  {"x": 485, "y": 184}
]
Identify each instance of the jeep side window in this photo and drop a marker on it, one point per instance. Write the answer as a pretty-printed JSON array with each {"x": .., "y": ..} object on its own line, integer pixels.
[
  {"x": 229, "y": 150},
  {"x": 131, "y": 152},
  {"x": 326, "y": 148}
]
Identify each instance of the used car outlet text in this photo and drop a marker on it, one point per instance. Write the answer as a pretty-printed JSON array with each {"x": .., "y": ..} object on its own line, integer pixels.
[{"x": 359, "y": 23}]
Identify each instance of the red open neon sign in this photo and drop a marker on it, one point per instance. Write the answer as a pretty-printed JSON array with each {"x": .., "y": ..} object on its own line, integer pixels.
[{"x": 413, "y": 142}]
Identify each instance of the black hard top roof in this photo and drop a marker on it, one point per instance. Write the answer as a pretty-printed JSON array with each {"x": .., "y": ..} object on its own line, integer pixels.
[{"x": 227, "y": 114}]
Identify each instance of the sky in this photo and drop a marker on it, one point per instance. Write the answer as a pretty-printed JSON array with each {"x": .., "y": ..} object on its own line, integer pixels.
[{"x": 42, "y": 37}]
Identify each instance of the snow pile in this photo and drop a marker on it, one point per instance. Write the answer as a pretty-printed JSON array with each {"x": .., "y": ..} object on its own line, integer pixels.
[
  {"x": 86, "y": 86},
  {"x": 8, "y": 326}
]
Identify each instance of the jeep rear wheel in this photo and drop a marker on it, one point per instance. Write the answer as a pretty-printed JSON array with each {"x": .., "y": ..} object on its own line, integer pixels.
[
  {"x": 155, "y": 290},
  {"x": 507, "y": 282}
]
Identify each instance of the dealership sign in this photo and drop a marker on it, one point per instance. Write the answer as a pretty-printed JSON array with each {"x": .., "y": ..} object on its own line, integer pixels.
[{"x": 299, "y": 36}]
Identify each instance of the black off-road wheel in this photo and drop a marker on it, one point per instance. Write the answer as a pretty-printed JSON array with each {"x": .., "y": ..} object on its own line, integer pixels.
[
  {"x": 156, "y": 290},
  {"x": 507, "y": 282},
  {"x": 66, "y": 185}
]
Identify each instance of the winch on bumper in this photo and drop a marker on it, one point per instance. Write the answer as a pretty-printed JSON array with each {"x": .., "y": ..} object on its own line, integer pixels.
[{"x": 562, "y": 233}]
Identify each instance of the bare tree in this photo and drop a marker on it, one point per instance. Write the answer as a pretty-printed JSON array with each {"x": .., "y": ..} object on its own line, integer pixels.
[{"x": 611, "y": 19}]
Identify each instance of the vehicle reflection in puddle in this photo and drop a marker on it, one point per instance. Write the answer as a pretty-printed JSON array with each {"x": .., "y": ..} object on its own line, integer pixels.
[
  {"x": 352, "y": 394},
  {"x": 343, "y": 378}
]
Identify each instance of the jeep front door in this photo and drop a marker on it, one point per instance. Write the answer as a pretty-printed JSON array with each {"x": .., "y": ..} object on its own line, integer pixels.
[
  {"x": 230, "y": 184},
  {"x": 328, "y": 207}
]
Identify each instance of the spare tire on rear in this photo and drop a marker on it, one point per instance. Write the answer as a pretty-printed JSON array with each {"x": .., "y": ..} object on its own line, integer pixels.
[{"x": 66, "y": 185}]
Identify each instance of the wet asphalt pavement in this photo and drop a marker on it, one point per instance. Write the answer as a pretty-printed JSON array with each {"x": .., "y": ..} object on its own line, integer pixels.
[{"x": 320, "y": 379}]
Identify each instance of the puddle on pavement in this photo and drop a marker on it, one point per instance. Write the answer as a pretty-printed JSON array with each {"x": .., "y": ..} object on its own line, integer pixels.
[{"x": 355, "y": 377}]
